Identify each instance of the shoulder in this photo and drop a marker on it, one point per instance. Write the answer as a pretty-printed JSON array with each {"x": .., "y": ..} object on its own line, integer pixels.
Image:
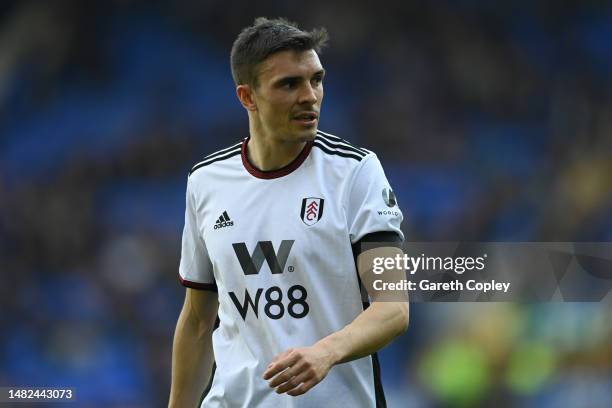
[
  {"x": 217, "y": 157},
  {"x": 340, "y": 149},
  {"x": 349, "y": 163}
]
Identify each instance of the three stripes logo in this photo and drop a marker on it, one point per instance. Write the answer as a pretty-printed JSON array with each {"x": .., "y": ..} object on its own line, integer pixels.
[
  {"x": 312, "y": 210},
  {"x": 223, "y": 221}
]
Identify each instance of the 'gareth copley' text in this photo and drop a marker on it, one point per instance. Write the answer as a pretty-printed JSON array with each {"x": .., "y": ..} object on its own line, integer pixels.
[{"x": 425, "y": 285}]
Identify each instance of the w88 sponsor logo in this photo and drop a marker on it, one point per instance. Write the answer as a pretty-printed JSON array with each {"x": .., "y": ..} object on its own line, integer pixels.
[
  {"x": 251, "y": 264},
  {"x": 274, "y": 307}
]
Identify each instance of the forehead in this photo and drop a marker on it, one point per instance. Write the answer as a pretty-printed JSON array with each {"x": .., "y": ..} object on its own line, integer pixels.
[{"x": 289, "y": 63}]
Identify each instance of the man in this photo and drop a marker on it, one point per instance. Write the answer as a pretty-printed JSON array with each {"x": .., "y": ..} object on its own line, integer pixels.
[{"x": 271, "y": 229}]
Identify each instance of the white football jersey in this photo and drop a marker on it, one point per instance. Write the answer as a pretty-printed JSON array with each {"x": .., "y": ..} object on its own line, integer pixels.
[{"x": 277, "y": 246}]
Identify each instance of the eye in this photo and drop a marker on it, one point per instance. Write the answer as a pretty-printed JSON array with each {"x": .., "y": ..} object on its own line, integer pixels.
[
  {"x": 317, "y": 80},
  {"x": 289, "y": 84}
]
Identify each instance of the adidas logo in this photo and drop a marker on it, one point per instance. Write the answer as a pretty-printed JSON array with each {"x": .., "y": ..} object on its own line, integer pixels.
[{"x": 223, "y": 221}]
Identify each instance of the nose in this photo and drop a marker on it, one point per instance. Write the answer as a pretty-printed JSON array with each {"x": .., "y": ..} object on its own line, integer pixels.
[{"x": 308, "y": 95}]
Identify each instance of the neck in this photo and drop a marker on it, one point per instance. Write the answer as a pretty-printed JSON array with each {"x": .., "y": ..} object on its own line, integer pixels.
[{"x": 267, "y": 153}]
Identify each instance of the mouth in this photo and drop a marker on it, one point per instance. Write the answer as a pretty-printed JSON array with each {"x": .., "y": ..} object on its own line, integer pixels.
[{"x": 308, "y": 118}]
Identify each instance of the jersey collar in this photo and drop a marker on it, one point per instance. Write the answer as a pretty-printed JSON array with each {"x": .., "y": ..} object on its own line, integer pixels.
[{"x": 272, "y": 174}]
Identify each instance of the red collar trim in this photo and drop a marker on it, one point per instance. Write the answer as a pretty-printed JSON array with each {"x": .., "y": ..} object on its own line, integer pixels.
[{"x": 272, "y": 174}]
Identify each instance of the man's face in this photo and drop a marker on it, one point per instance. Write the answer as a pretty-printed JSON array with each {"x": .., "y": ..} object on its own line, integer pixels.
[{"x": 289, "y": 94}]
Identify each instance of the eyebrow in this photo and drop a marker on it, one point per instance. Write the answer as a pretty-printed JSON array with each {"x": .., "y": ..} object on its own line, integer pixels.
[{"x": 288, "y": 79}]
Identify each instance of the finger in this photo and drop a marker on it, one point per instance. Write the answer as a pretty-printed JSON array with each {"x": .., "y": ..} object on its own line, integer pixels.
[
  {"x": 281, "y": 378},
  {"x": 302, "y": 388},
  {"x": 279, "y": 356},
  {"x": 293, "y": 371},
  {"x": 280, "y": 365},
  {"x": 288, "y": 374},
  {"x": 273, "y": 368},
  {"x": 293, "y": 383}
]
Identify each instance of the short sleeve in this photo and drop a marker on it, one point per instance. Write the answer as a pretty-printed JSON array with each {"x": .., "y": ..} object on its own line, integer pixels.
[
  {"x": 195, "y": 270},
  {"x": 372, "y": 206}
]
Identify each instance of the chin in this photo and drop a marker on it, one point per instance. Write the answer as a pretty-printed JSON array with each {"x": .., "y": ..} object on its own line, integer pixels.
[
  {"x": 308, "y": 135},
  {"x": 299, "y": 135}
]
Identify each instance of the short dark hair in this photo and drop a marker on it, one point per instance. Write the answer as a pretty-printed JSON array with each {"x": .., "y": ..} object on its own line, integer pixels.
[{"x": 266, "y": 37}]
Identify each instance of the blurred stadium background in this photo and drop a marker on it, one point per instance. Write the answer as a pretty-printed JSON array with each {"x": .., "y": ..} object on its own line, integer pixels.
[{"x": 493, "y": 121}]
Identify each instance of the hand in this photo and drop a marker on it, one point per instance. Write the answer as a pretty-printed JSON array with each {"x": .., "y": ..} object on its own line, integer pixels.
[{"x": 297, "y": 370}]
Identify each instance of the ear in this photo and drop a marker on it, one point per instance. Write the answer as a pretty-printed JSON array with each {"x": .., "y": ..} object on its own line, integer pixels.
[{"x": 246, "y": 96}]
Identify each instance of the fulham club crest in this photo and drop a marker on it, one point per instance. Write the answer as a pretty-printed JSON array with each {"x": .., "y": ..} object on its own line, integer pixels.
[{"x": 312, "y": 210}]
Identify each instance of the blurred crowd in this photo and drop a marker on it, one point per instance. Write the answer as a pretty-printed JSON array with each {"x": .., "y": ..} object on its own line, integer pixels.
[{"x": 493, "y": 121}]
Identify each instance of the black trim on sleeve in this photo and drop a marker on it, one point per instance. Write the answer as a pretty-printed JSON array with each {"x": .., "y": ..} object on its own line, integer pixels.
[
  {"x": 197, "y": 285},
  {"x": 391, "y": 237},
  {"x": 377, "y": 239}
]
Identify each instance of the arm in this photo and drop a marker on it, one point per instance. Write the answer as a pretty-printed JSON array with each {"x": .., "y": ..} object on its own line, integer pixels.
[
  {"x": 375, "y": 327},
  {"x": 192, "y": 353},
  {"x": 297, "y": 370}
]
